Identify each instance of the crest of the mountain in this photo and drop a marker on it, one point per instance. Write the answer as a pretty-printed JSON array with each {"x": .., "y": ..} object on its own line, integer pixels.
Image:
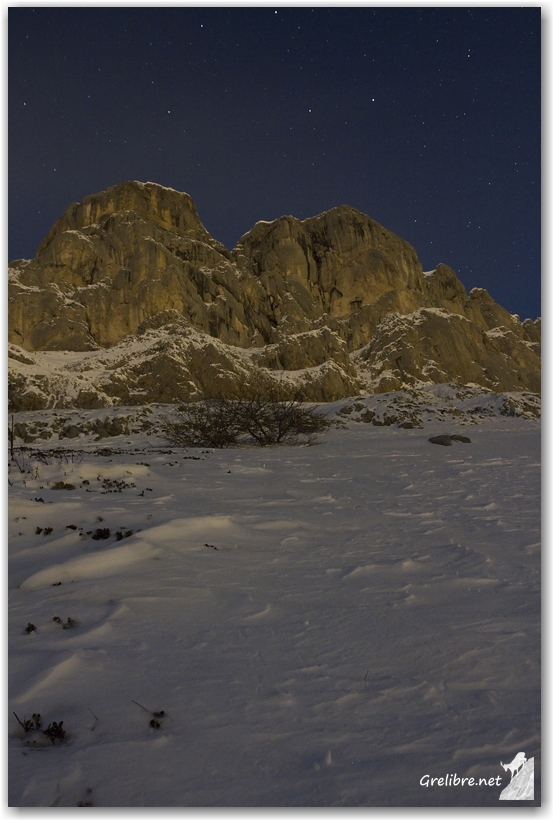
[{"x": 149, "y": 307}]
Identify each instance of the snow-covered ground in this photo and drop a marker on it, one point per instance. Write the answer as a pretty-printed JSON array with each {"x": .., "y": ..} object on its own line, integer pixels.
[{"x": 321, "y": 626}]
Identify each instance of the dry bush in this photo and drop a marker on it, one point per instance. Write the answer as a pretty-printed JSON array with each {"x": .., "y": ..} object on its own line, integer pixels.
[
  {"x": 202, "y": 424},
  {"x": 262, "y": 414}
]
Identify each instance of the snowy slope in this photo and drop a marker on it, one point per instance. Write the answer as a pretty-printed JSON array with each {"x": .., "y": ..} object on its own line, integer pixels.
[{"x": 321, "y": 626}]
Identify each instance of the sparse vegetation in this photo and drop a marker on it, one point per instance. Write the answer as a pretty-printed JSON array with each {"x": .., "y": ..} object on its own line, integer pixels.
[
  {"x": 202, "y": 424},
  {"x": 69, "y": 624},
  {"x": 263, "y": 415},
  {"x": 99, "y": 533},
  {"x": 62, "y": 485},
  {"x": 281, "y": 558},
  {"x": 19, "y": 458},
  {"x": 32, "y": 725},
  {"x": 156, "y": 718},
  {"x": 55, "y": 731}
]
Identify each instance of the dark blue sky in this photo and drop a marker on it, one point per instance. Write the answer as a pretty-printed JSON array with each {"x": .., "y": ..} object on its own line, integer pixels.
[{"x": 427, "y": 119}]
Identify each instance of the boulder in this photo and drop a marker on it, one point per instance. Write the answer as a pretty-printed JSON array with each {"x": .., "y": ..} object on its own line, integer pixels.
[{"x": 447, "y": 441}]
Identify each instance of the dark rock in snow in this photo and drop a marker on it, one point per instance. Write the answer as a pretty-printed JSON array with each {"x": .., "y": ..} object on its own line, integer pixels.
[
  {"x": 445, "y": 440},
  {"x": 71, "y": 431}
]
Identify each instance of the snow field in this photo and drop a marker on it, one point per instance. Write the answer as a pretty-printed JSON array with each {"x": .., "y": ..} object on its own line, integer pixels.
[{"x": 321, "y": 625}]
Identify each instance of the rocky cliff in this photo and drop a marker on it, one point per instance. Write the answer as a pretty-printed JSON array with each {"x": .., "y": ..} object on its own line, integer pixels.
[{"x": 130, "y": 300}]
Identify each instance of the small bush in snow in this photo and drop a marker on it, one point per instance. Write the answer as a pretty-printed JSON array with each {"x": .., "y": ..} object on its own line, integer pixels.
[
  {"x": 157, "y": 717},
  {"x": 202, "y": 424},
  {"x": 100, "y": 533},
  {"x": 70, "y": 624},
  {"x": 32, "y": 725},
  {"x": 55, "y": 731}
]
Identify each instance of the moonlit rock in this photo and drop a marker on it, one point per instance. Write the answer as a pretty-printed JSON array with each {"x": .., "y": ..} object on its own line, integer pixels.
[{"x": 334, "y": 305}]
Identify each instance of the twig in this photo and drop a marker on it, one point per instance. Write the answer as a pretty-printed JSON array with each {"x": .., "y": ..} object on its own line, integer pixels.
[
  {"x": 92, "y": 713},
  {"x": 142, "y": 707},
  {"x": 20, "y": 723}
]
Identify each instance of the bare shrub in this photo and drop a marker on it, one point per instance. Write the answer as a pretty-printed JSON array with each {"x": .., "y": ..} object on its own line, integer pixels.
[
  {"x": 268, "y": 416},
  {"x": 202, "y": 424},
  {"x": 262, "y": 414}
]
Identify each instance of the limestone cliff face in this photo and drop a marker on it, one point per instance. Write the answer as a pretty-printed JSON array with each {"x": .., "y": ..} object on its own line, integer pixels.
[
  {"x": 432, "y": 345},
  {"x": 296, "y": 295},
  {"x": 342, "y": 259},
  {"x": 116, "y": 259},
  {"x": 160, "y": 206}
]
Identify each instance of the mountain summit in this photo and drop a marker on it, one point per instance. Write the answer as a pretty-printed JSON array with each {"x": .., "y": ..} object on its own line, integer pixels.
[{"x": 130, "y": 300}]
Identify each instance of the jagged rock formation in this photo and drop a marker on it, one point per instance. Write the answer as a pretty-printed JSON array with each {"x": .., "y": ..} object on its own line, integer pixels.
[{"x": 129, "y": 288}]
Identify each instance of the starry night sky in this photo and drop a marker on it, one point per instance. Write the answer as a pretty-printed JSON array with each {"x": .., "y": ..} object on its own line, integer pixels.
[{"x": 427, "y": 119}]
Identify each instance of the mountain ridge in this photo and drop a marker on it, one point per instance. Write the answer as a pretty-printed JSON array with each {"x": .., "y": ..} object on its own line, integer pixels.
[{"x": 336, "y": 293}]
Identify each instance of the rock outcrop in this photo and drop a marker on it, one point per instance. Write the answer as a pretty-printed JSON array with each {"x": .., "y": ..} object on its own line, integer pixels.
[
  {"x": 406, "y": 409},
  {"x": 433, "y": 345},
  {"x": 333, "y": 305}
]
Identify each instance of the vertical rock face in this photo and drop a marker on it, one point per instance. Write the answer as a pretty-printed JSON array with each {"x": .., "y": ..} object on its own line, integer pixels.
[
  {"x": 342, "y": 258},
  {"x": 164, "y": 207},
  {"x": 120, "y": 257},
  {"x": 337, "y": 290}
]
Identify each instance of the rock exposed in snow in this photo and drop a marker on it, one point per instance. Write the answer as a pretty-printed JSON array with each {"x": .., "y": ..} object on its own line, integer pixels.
[
  {"x": 406, "y": 409},
  {"x": 447, "y": 440},
  {"x": 134, "y": 289},
  {"x": 432, "y": 345}
]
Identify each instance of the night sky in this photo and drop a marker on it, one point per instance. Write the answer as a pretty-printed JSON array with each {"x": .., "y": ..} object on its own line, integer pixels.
[{"x": 427, "y": 119}]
